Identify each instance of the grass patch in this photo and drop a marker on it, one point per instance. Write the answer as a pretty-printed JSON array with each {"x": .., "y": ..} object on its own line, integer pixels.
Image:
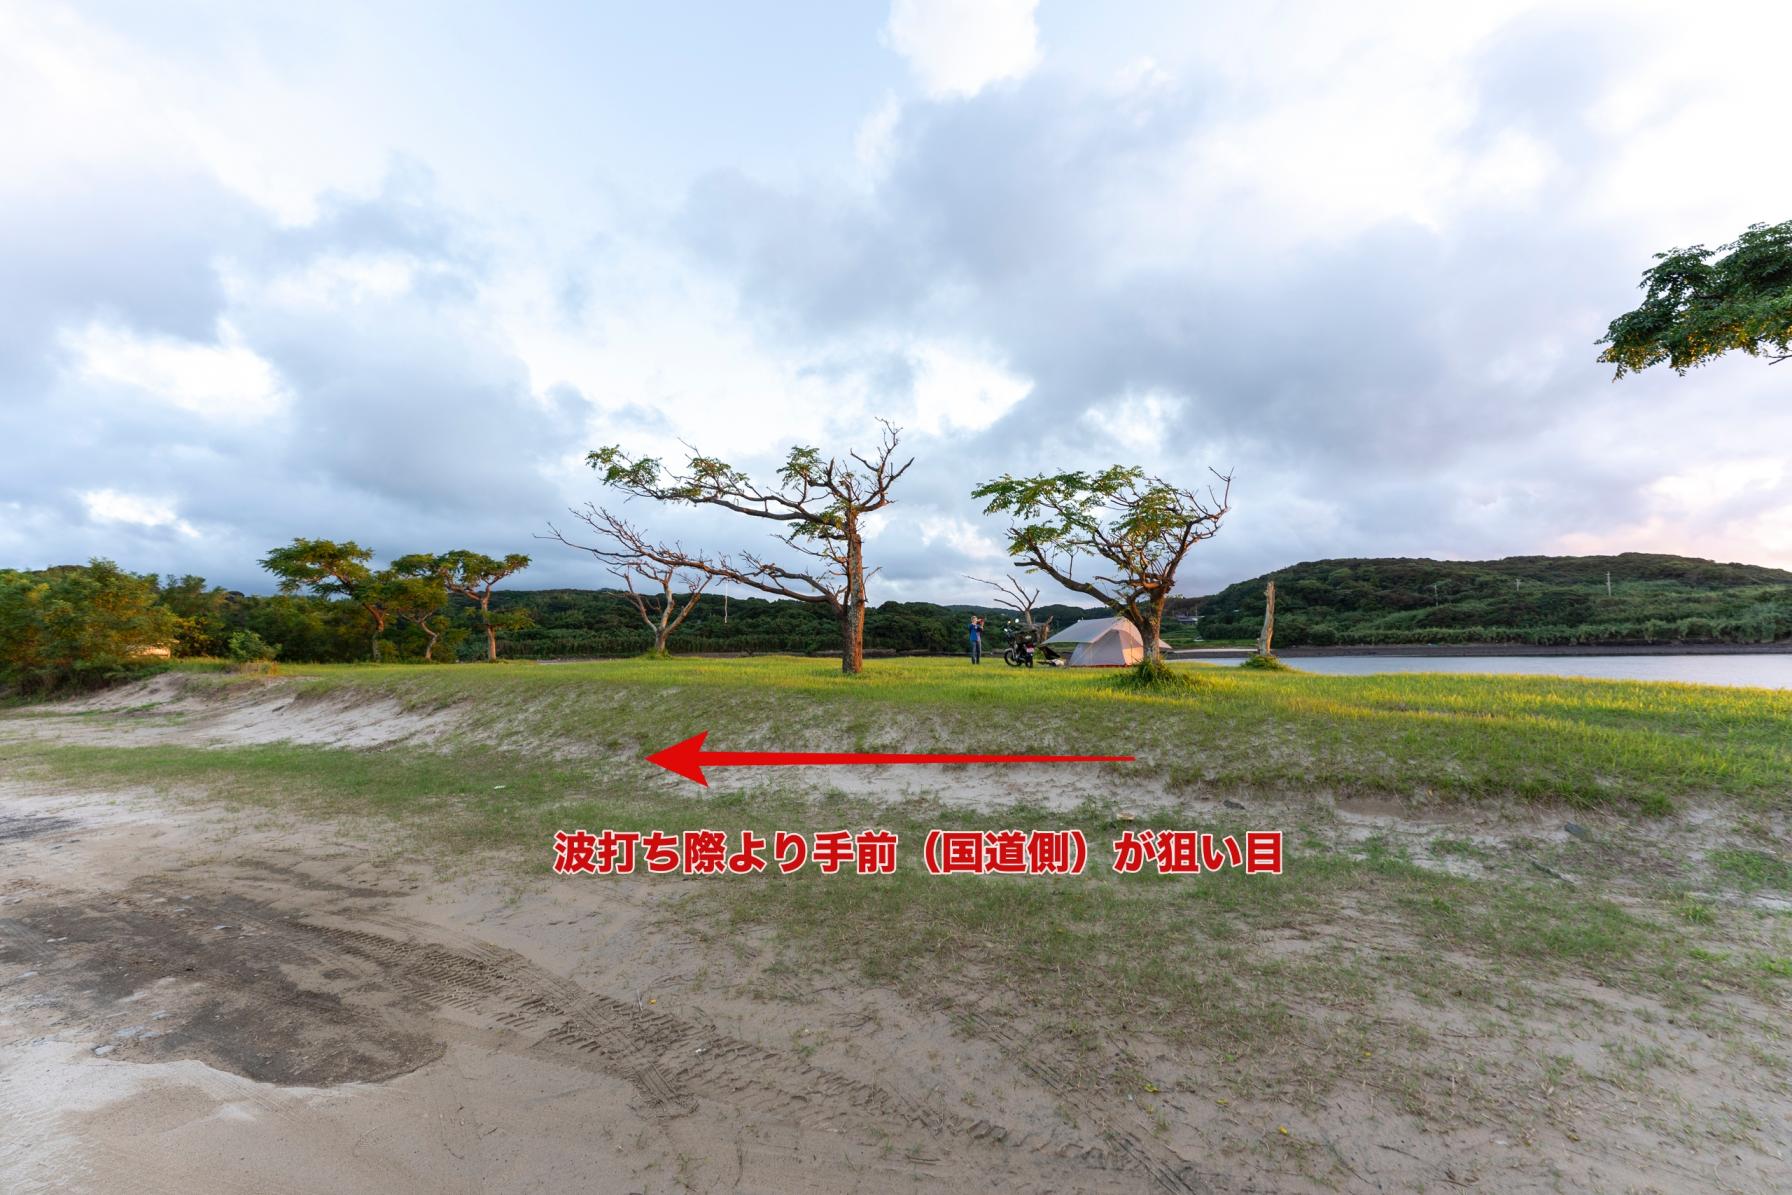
[
  {"x": 1580, "y": 743},
  {"x": 1751, "y": 870}
]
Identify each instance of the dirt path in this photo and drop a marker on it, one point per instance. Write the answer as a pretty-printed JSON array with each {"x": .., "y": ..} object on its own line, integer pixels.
[{"x": 188, "y": 1005}]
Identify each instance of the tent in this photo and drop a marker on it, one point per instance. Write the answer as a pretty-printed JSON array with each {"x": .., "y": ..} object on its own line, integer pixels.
[{"x": 1102, "y": 643}]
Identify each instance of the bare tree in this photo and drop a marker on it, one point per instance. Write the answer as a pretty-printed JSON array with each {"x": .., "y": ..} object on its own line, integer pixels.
[
  {"x": 1268, "y": 633},
  {"x": 1012, "y": 595},
  {"x": 630, "y": 555},
  {"x": 822, "y": 503}
]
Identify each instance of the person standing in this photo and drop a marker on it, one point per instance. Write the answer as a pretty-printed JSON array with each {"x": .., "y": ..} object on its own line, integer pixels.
[{"x": 976, "y": 639}]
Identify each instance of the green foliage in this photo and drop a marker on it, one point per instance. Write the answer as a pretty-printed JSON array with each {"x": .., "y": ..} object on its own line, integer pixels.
[
  {"x": 247, "y": 646},
  {"x": 1151, "y": 675},
  {"x": 1264, "y": 664},
  {"x": 585, "y": 622},
  {"x": 1137, "y": 528},
  {"x": 323, "y": 567},
  {"x": 80, "y": 626},
  {"x": 1546, "y": 600},
  {"x": 1698, "y": 305}
]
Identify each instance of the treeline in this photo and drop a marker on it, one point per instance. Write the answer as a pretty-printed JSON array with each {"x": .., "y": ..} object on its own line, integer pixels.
[
  {"x": 75, "y": 626},
  {"x": 1521, "y": 599},
  {"x": 603, "y": 622}
]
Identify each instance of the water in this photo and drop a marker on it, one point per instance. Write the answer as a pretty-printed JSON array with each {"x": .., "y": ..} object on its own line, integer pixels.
[{"x": 1767, "y": 671}]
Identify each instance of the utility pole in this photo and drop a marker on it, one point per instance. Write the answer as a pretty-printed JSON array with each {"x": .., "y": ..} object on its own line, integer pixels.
[
  {"x": 1608, "y": 582},
  {"x": 1435, "y": 600}
]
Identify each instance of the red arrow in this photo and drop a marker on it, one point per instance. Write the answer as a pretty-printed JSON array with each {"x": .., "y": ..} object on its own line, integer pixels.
[{"x": 688, "y": 758}]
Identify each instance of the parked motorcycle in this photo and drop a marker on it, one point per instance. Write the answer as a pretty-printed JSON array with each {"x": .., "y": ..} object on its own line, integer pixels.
[{"x": 1023, "y": 650}]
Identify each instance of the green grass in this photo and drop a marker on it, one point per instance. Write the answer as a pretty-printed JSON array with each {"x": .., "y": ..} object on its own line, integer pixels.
[
  {"x": 1576, "y": 742},
  {"x": 1752, "y": 870}
]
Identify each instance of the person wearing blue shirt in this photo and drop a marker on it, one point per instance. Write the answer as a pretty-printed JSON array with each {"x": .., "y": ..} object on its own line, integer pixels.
[{"x": 976, "y": 639}]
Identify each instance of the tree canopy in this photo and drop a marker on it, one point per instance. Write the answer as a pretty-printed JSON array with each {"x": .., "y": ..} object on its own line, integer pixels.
[
  {"x": 1135, "y": 528},
  {"x": 1699, "y": 304}
]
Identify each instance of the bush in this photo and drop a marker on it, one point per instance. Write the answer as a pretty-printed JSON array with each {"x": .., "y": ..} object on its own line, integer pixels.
[
  {"x": 1151, "y": 675},
  {"x": 248, "y": 647}
]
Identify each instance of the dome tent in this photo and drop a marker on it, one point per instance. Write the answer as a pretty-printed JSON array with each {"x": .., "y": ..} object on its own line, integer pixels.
[{"x": 1102, "y": 643}]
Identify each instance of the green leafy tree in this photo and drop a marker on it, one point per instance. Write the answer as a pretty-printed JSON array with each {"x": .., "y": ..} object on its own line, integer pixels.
[
  {"x": 472, "y": 575},
  {"x": 821, "y": 502},
  {"x": 205, "y": 615},
  {"x": 80, "y": 625},
  {"x": 1700, "y": 303},
  {"x": 413, "y": 590},
  {"x": 1130, "y": 530},
  {"x": 327, "y": 569}
]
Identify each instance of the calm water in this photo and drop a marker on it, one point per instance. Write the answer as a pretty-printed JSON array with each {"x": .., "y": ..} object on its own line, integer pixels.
[{"x": 1764, "y": 671}]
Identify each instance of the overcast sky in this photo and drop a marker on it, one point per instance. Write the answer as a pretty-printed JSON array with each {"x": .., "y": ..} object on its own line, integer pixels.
[{"x": 386, "y": 271}]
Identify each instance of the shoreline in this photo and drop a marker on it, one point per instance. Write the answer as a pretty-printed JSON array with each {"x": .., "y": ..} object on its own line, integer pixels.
[{"x": 1782, "y": 647}]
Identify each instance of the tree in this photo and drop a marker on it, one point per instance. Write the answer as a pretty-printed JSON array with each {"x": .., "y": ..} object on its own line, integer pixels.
[
  {"x": 329, "y": 569},
  {"x": 1137, "y": 527},
  {"x": 204, "y": 615},
  {"x": 80, "y": 625},
  {"x": 1267, "y": 635},
  {"x": 1700, "y": 303},
  {"x": 631, "y": 555},
  {"x": 1012, "y": 595},
  {"x": 822, "y": 503},
  {"x": 472, "y": 575},
  {"x": 413, "y": 590}
]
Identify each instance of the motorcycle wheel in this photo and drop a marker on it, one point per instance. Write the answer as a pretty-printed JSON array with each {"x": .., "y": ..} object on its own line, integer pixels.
[{"x": 1012, "y": 659}]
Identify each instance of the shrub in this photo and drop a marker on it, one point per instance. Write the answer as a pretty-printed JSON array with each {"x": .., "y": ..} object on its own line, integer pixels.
[{"x": 248, "y": 647}]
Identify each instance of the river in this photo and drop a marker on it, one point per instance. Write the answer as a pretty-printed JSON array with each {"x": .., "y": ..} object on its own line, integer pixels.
[{"x": 1767, "y": 671}]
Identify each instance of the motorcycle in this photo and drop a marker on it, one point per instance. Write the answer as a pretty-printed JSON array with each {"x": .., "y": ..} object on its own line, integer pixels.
[{"x": 1023, "y": 650}]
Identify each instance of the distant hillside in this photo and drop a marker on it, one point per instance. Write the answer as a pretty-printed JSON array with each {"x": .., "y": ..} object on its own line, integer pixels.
[{"x": 1527, "y": 599}]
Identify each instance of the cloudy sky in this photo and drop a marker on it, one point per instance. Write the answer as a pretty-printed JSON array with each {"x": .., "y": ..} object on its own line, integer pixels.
[{"x": 385, "y": 271}]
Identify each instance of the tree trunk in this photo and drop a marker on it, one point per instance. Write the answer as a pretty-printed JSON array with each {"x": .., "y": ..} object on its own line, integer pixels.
[
  {"x": 491, "y": 635},
  {"x": 852, "y": 614},
  {"x": 1269, "y": 620},
  {"x": 429, "y": 649},
  {"x": 852, "y": 637},
  {"x": 1152, "y": 631},
  {"x": 660, "y": 635}
]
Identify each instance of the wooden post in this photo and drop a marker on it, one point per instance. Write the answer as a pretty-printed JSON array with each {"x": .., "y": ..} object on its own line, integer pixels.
[{"x": 1269, "y": 620}]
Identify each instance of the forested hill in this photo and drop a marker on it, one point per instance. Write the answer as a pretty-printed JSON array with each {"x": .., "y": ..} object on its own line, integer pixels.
[{"x": 1524, "y": 599}]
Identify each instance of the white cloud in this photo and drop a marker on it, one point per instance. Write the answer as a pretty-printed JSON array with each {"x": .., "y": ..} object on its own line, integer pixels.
[
  {"x": 959, "y": 47},
  {"x": 220, "y": 381},
  {"x": 956, "y": 391},
  {"x": 114, "y": 506}
]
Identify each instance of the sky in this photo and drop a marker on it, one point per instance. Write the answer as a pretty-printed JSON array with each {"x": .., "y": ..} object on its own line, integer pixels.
[{"x": 387, "y": 271}]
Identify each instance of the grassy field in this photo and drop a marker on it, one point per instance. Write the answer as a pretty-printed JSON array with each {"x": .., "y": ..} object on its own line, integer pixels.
[{"x": 1286, "y": 982}]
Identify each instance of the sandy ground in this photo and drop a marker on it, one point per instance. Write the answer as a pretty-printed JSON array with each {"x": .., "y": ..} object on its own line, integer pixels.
[
  {"x": 196, "y": 1002},
  {"x": 193, "y": 1005}
]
